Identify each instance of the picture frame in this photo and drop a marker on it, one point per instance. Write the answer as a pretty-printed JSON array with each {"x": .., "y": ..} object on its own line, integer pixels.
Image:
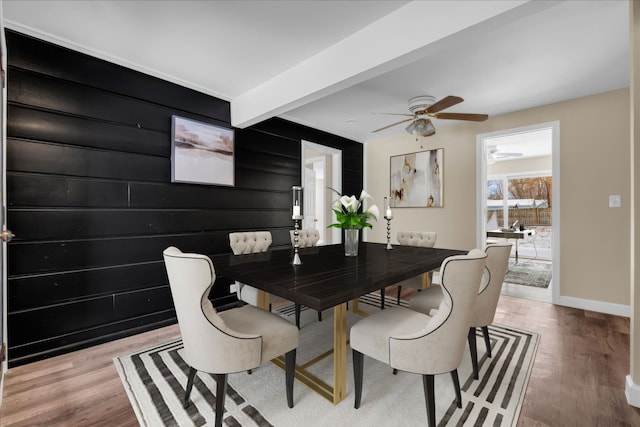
[
  {"x": 202, "y": 153},
  {"x": 417, "y": 179}
]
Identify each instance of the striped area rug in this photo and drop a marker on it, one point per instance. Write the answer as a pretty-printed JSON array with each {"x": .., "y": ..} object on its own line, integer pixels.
[{"x": 154, "y": 380}]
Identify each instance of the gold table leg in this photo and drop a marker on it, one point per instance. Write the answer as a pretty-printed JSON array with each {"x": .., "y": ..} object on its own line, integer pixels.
[
  {"x": 355, "y": 308},
  {"x": 339, "y": 352},
  {"x": 263, "y": 300},
  {"x": 339, "y": 390},
  {"x": 426, "y": 282},
  {"x": 340, "y": 340}
]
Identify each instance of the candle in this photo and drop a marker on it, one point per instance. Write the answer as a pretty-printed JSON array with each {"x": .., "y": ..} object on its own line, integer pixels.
[
  {"x": 388, "y": 214},
  {"x": 297, "y": 202}
]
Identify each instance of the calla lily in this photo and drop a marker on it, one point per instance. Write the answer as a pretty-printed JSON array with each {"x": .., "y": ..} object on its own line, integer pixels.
[
  {"x": 373, "y": 210},
  {"x": 351, "y": 204},
  {"x": 364, "y": 195},
  {"x": 346, "y": 210}
]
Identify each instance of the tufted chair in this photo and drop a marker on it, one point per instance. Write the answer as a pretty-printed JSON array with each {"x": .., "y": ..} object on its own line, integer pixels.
[
  {"x": 230, "y": 341},
  {"x": 429, "y": 300},
  {"x": 418, "y": 343},
  {"x": 424, "y": 239},
  {"x": 250, "y": 242},
  {"x": 306, "y": 239}
]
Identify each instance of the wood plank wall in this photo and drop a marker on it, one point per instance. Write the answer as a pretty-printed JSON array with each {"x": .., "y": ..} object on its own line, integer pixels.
[{"x": 92, "y": 205}]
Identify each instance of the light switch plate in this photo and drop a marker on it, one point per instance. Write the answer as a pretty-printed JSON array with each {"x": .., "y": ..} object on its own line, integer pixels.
[{"x": 614, "y": 201}]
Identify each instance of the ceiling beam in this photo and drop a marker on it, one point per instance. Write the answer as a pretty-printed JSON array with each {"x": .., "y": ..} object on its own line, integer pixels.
[{"x": 403, "y": 36}]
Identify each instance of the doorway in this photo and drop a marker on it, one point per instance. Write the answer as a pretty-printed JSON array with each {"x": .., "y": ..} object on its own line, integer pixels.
[
  {"x": 518, "y": 181},
  {"x": 322, "y": 173}
]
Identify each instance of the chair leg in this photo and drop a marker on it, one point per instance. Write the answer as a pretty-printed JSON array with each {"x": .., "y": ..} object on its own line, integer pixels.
[
  {"x": 456, "y": 385},
  {"x": 319, "y": 316},
  {"x": 357, "y": 376},
  {"x": 487, "y": 342},
  {"x": 429, "y": 396},
  {"x": 289, "y": 372},
  {"x": 221, "y": 391},
  {"x": 187, "y": 392},
  {"x": 471, "y": 337},
  {"x": 298, "y": 315},
  {"x": 382, "y": 292},
  {"x": 399, "y": 290}
]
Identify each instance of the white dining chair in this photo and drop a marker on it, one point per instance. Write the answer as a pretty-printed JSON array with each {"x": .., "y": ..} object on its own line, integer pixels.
[
  {"x": 415, "y": 342},
  {"x": 423, "y": 239},
  {"x": 497, "y": 263},
  {"x": 306, "y": 238},
  {"x": 239, "y": 339},
  {"x": 250, "y": 242}
]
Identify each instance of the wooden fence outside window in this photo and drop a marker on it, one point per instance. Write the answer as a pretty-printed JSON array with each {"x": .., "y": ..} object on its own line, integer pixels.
[{"x": 527, "y": 216}]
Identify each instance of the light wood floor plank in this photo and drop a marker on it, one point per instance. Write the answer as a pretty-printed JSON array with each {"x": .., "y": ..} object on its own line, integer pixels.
[{"x": 578, "y": 376}]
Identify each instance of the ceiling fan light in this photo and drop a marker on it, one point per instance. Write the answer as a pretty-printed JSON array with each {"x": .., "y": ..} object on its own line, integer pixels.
[
  {"x": 429, "y": 129},
  {"x": 421, "y": 127}
]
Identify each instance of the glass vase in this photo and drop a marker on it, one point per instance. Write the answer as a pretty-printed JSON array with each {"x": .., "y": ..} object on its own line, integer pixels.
[{"x": 351, "y": 241}]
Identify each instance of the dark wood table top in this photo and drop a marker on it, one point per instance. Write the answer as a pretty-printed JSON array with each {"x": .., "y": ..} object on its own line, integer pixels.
[
  {"x": 511, "y": 234},
  {"x": 327, "y": 277}
]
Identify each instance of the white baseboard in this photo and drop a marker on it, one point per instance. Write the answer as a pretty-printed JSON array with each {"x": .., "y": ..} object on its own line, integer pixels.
[
  {"x": 632, "y": 391},
  {"x": 598, "y": 306}
]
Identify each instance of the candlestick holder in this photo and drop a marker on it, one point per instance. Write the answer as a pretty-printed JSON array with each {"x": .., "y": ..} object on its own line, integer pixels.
[
  {"x": 296, "y": 245},
  {"x": 297, "y": 221},
  {"x": 388, "y": 233},
  {"x": 388, "y": 215}
]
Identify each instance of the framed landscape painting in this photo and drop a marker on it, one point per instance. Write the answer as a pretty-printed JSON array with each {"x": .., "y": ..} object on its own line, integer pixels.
[
  {"x": 201, "y": 153},
  {"x": 417, "y": 179}
]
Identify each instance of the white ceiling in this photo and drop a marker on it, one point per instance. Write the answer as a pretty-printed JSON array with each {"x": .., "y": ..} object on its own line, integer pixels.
[
  {"x": 534, "y": 143},
  {"x": 330, "y": 63}
]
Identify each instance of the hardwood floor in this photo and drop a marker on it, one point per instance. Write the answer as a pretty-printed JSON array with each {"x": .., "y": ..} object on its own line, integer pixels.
[{"x": 577, "y": 380}]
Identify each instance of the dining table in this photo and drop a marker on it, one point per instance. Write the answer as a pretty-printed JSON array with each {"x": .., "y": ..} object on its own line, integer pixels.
[
  {"x": 326, "y": 279},
  {"x": 517, "y": 234}
]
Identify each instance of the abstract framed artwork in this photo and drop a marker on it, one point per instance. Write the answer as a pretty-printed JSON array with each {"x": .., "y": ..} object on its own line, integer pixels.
[
  {"x": 201, "y": 153},
  {"x": 417, "y": 179}
]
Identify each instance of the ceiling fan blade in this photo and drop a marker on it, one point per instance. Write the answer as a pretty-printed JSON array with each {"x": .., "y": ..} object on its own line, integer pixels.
[
  {"x": 445, "y": 102},
  {"x": 392, "y": 124},
  {"x": 396, "y": 114},
  {"x": 462, "y": 116}
]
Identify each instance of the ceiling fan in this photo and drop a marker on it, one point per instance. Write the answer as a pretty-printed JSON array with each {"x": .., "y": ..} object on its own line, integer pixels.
[
  {"x": 494, "y": 153},
  {"x": 424, "y": 107}
]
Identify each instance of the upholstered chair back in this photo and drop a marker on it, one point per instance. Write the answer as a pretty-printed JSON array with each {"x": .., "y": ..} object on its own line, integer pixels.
[
  {"x": 445, "y": 333},
  {"x": 214, "y": 349},
  {"x": 306, "y": 238},
  {"x": 425, "y": 239},
  {"x": 496, "y": 267},
  {"x": 250, "y": 242}
]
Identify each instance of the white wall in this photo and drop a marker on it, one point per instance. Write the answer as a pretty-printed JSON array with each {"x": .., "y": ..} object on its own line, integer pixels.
[{"x": 594, "y": 156}]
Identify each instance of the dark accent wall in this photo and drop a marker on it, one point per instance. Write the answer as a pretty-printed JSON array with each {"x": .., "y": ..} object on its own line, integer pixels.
[{"x": 92, "y": 205}]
